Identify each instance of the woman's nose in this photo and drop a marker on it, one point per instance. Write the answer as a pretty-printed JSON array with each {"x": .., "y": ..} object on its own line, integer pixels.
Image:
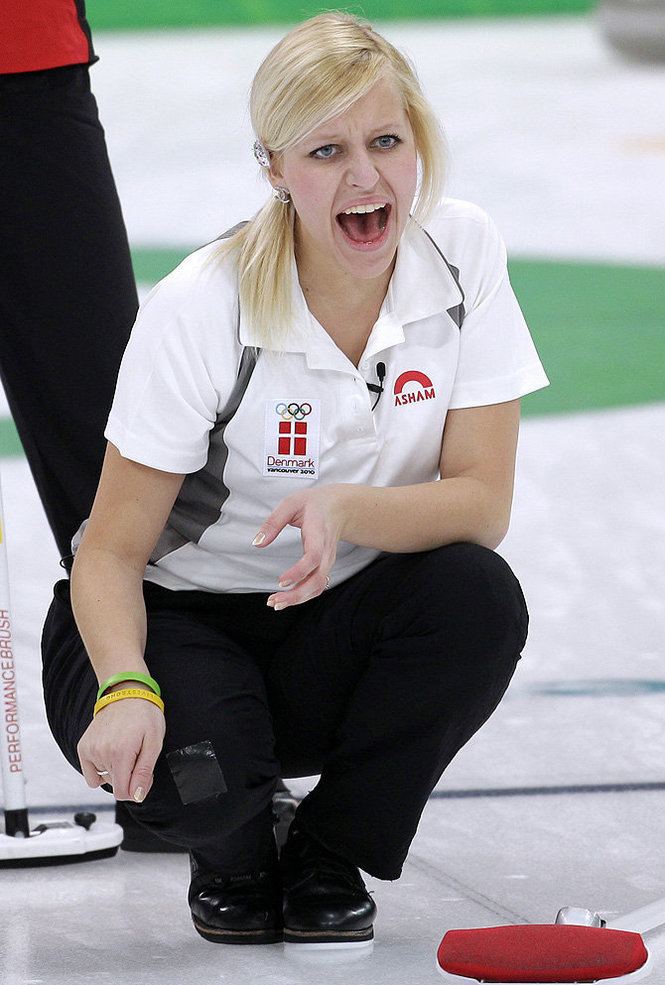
[{"x": 362, "y": 171}]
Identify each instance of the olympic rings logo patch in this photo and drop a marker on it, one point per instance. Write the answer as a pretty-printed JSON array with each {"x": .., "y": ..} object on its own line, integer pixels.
[
  {"x": 292, "y": 438},
  {"x": 293, "y": 411}
]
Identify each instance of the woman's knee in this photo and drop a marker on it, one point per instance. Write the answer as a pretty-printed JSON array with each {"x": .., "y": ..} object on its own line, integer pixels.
[
  {"x": 484, "y": 583},
  {"x": 467, "y": 598}
]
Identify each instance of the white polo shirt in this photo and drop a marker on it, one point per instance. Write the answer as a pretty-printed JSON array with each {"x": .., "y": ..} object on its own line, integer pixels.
[{"x": 197, "y": 394}]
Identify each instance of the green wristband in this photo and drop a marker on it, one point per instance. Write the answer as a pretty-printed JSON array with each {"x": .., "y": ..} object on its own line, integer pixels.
[{"x": 130, "y": 676}]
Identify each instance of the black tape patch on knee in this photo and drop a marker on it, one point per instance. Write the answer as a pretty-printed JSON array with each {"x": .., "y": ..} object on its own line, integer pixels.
[{"x": 197, "y": 773}]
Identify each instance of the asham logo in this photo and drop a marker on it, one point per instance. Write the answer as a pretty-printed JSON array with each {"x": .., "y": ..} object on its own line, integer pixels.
[{"x": 423, "y": 391}]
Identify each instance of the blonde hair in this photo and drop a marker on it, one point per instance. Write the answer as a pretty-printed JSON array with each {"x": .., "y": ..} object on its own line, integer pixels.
[{"x": 316, "y": 72}]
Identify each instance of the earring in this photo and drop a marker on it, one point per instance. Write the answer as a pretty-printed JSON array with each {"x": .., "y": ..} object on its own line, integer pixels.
[
  {"x": 282, "y": 194},
  {"x": 261, "y": 154}
]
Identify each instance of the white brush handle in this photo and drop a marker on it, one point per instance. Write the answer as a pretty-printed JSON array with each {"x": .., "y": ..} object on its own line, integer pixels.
[
  {"x": 649, "y": 917},
  {"x": 13, "y": 779}
]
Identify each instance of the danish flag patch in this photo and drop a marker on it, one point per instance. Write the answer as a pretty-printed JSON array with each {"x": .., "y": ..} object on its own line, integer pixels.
[{"x": 292, "y": 436}]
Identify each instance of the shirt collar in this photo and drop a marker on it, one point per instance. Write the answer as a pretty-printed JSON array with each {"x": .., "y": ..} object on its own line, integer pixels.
[
  {"x": 298, "y": 339},
  {"x": 422, "y": 284}
]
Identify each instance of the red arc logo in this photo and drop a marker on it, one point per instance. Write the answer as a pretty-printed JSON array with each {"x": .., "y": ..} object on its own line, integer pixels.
[{"x": 424, "y": 391}]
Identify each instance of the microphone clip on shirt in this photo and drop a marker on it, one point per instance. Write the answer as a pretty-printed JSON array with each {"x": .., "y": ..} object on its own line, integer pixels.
[{"x": 380, "y": 372}]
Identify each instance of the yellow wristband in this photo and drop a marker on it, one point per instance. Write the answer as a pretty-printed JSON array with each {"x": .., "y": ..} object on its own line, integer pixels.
[{"x": 128, "y": 692}]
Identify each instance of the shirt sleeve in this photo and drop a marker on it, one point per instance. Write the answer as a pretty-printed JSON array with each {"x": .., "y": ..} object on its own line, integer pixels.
[
  {"x": 498, "y": 360},
  {"x": 165, "y": 402}
]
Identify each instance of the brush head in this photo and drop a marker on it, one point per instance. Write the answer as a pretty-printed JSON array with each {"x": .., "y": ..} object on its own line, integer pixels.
[{"x": 542, "y": 953}]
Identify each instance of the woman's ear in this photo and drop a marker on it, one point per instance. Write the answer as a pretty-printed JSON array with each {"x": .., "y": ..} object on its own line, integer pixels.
[{"x": 275, "y": 172}]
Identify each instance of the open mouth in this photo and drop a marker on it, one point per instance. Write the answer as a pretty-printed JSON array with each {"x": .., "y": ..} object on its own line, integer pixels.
[{"x": 366, "y": 227}]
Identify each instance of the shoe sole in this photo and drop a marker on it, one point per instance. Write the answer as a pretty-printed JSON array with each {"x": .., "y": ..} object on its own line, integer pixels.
[
  {"x": 217, "y": 935},
  {"x": 329, "y": 937}
]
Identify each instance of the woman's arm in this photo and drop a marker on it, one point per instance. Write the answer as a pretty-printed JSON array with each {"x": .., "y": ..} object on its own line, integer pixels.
[
  {"x": 471, "y": 502},
  {"x": 130, "y": 510}
]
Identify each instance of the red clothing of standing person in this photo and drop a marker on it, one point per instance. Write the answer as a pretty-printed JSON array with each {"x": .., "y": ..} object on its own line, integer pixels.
[{"x": 39, "y": 34}]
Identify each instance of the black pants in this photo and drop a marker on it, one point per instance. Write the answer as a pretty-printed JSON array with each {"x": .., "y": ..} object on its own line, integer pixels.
[
  {"x": 67, "y": 293},
  {"x": 375, "y": 684}
]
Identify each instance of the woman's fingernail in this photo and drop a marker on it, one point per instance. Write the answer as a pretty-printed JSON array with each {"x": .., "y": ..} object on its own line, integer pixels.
[
  {"x": 285, "y": 584},
  {"x": 270, "y": 601},
  {"x": 260, "y": 537},
  {"x": 139, "y": 795}
]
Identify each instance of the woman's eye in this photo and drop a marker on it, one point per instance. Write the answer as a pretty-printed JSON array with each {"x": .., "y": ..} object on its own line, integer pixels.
[
  {"x": 389, "y": 136},
  {"x": 325, "y": 147}
]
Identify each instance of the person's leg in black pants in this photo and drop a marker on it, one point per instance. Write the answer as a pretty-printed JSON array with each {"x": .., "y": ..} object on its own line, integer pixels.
[
  {"x": 68, "y": 297},
  {"x": 376, "y": 685},
  {"x": 385, "y": 679},
  {"x": 213, "y": 692}
]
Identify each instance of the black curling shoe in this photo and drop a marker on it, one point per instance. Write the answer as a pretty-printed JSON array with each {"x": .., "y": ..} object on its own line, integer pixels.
[
  {"x": 325, "y": 898},
  {"x": 237, "y": 909}
]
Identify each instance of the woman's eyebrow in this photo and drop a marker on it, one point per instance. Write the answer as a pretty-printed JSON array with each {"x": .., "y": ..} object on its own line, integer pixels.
[{"x": 337, "y": 136}]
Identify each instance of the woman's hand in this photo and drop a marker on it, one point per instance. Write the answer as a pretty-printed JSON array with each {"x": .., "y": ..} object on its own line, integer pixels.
[
  {"x": 320, "y": 512},
  {"x": 124, "y": 738}
]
